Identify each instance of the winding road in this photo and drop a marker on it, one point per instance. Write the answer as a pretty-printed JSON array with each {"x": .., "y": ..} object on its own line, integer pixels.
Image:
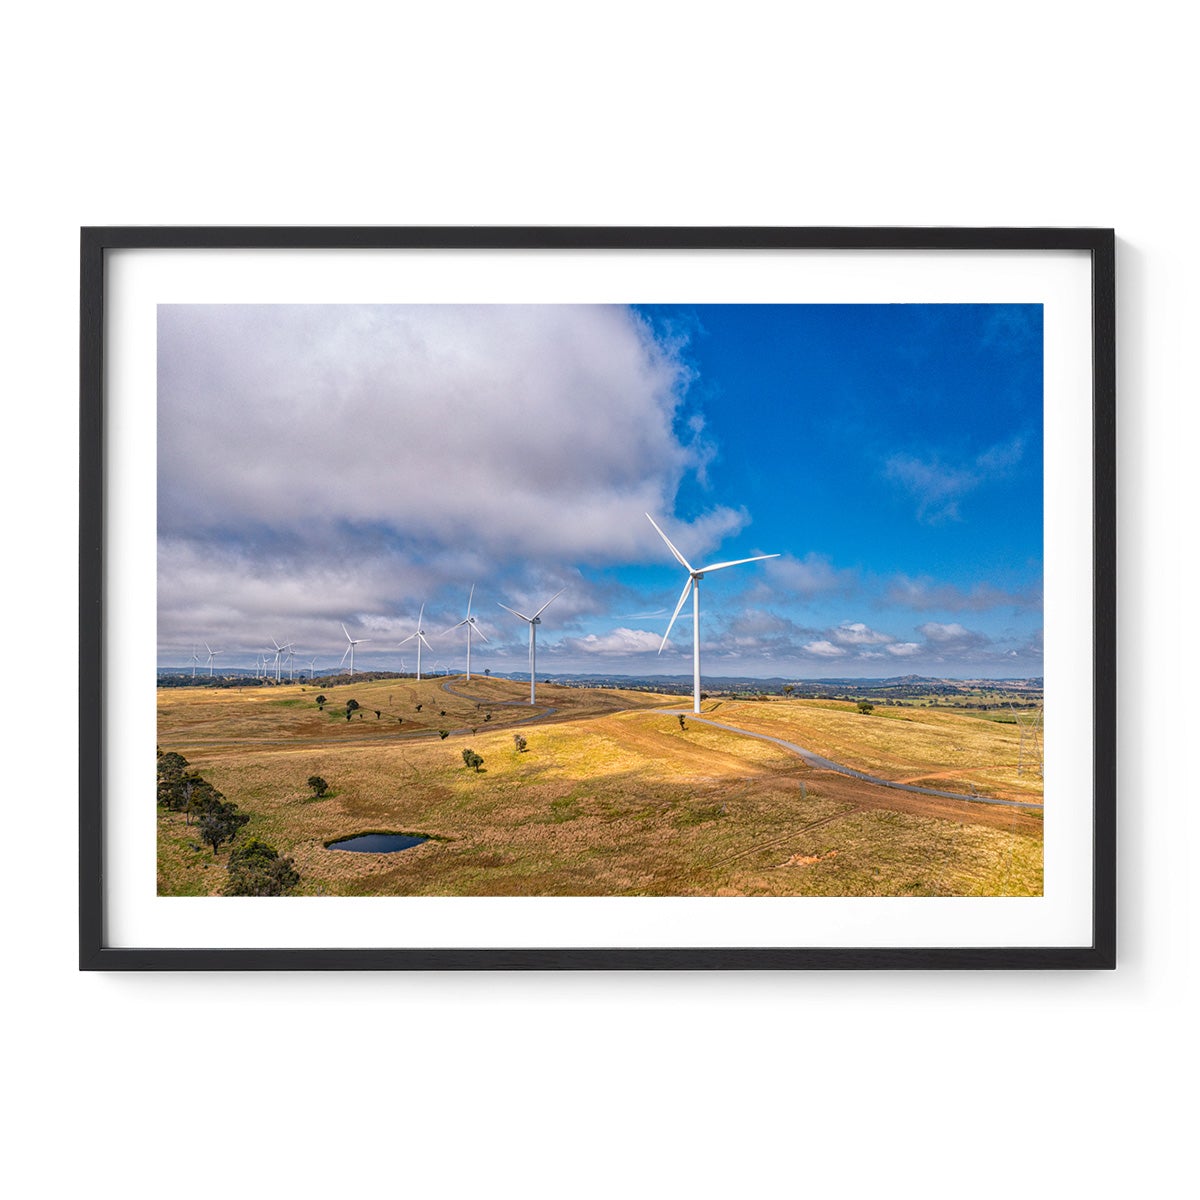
[{"x": 826, "y": 764}]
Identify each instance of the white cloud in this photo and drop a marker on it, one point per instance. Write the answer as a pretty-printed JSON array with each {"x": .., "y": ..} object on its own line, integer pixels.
[
  {"x": 904, "y": 649},
  {"x": 938, "y": 486},
  {"x": 855, "y": 633},
  {"x": 618, "y": 641},
  {"x": 824, "y": 649}
]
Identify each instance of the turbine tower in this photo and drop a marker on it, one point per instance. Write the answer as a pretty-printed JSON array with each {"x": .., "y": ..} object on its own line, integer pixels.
[
  {"x": 469, "y": 622},
  {"x": 350, "y": 649},
  {"x": 312, "y": 667},
  {"x": 279, "y": 653},
  {"x": 533, "y": 622},
  {"x": 212, "y": 654},
  {"x": 420, "y": 637},
  {"x": 195, "y": 660},
  {"x": 695, "y": 574}
]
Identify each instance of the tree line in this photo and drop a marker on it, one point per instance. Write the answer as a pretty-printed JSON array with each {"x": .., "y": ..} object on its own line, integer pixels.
[{"x": 255, "y": 868}]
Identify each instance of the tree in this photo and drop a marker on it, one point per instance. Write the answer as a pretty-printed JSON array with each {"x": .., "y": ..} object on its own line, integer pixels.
[
  {"x": 487, "y": 716},
  {"x": 257, "y": 869},
  {"x": 351, "y": 705},
  {"x": 442, "y": 713},
  {"x": 318, "y": 785},
  {"x": 682, "y": 723},
  {"x": 788, "y": 689},
  {"x": 487, "y": 671},
  {"x": 865, "y": 706},
  {"x": 220, "y": 823},
  {"x": 419, "y": 708},
  {"x": 378, "y": 714},
  {"x": 321, "y": 702},
  {"x": 443, "y": 734},
  {"x": 472, "y": 759},
  {"x": 520, "y": 743}
]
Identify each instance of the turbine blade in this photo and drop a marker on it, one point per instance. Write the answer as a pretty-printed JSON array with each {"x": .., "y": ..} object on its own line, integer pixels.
[
  {"x": 670, "y": 547},
  {"x": 469, "y": 599},
  {"x": 480, "y": 632},
  {"x": 346, "y": 632},
  {"x": 454, "y": 627},
  {"x": 424, "y": 642},
  {"x": 687, "y": 587},
  {"x": 408, "y": 639},
  {"x": 420, "y": 618},
  {"x": 514, "y": 612},
  {"x": 344, "y": 656},
  {"x": 737, "y": 562},
  {"x": 549, "y": 602}
]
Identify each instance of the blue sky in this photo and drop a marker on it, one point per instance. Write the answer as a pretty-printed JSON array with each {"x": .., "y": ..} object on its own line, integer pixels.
[{"x": 328, "y": 464}]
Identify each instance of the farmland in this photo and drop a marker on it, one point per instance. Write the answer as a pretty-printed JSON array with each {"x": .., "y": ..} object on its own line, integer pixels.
[{"x": 613, "y": 795}]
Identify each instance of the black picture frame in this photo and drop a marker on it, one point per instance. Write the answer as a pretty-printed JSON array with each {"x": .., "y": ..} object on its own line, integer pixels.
[{"x": 97, "y": 242}]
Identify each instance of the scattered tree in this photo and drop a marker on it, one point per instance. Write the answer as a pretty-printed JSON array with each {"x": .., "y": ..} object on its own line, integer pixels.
[
  {"x": 321, "y": 702},
  {"x": 487, "y": 716},
  {"x": 351, "y": 705},
  {"x": 318, "y": 786},
  {"x": 443, "y": 734},
  {"x": 442, "y": 713},
  {"x": 520, "y": 743},
  {"x": 378, "y": 714},
  {"x": 220, "y": 822},
  {"x": 788, "y": 689},
  {"x": 682, "y": 723},
  {"x": 419, "y": 708},
  {"x": 865, "y": 706},
  {"x": 487, "y": 671},
  {"x": 256, "y": 869},
  {"x": 472, "y": 759}
]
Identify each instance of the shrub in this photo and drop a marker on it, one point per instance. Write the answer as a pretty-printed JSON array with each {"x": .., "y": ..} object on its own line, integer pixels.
[
  {"x": 520, "y": 743},
  {"x": 865, "y": 706},
  {"x": 318, "y": 785},
  {"x": 256, "y": 869},
  {"x": 472, "y": 759}
]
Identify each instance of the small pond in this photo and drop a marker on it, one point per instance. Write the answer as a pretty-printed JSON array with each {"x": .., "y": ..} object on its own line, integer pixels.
[{"x": 377, "y": 843}]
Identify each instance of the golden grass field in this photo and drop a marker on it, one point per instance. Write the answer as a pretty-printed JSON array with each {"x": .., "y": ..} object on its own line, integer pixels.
[{"x": 611, "y": 797}]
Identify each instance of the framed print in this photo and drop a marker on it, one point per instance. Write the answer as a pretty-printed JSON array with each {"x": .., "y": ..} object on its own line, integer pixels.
[{"x": 597, "y": 598}]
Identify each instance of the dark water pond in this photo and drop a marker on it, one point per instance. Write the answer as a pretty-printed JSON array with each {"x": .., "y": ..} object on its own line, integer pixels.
[{"x": 377, "y": 843}]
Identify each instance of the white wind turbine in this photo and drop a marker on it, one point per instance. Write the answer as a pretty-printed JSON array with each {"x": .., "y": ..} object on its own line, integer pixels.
[
  {"x": 695, "y": 574},
  {"x": 420, "y": 638},
  {"x": 312, "y": 667},
  {"x": 533, "y": 622},
  {"x": 469, "y": 622},
  {"x": 195, "y": 660},
  {"x": 350, "y": 649},
  {"x": 212, "y": 654},
  {"x": 280, "y": 651}
]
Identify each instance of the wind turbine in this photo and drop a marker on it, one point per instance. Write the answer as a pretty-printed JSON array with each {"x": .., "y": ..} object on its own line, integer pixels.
[
  {"x": 195, "y": 660},
  {"x": 291, "y": 655},
  {"x": 312, "y": 666},
  {"x": 350, "y": 649},
  {"x": 469, "y": 622},
  {"x": 533, "y": 622},
  {"x": 420, "y": 636},
  {"x": 695, "y": 574},
  {"x": 212, "y": 654},
  {"x": 280, "y": 651}
]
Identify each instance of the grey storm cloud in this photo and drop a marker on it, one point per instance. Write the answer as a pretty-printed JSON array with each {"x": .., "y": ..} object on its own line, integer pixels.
[{"x": 322, "y": 460}]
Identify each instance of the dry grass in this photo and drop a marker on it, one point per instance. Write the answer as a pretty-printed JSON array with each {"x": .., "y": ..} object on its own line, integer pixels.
[
  {"x": 610, "y": 799},
  {"x": 955, "y": 751}
]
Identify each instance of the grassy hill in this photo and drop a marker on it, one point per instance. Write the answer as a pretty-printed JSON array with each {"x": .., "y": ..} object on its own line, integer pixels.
[{"x": 611, "y": 797}]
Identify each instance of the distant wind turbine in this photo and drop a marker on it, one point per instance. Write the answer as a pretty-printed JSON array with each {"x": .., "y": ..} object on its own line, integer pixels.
[
  {"x": 312, "y": 666},
  {"x": 469, "y": 622},
  {"x": 695, "y": 574},
  {"x": 212, "y": 654},
  {"x": 419, "y": 635},
  {"x": 195, "y": 660},
  {"x": 280, "y": 651},
  {"x": 350, "y": 649},
  {"x": 533, "y": 623}
]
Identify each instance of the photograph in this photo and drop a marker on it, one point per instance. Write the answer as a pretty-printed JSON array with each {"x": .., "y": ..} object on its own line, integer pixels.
[{"x": 633, "y": 599}]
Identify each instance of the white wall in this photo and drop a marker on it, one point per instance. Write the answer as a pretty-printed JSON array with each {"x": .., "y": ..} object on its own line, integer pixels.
[{"x": 923, "y": 113}]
